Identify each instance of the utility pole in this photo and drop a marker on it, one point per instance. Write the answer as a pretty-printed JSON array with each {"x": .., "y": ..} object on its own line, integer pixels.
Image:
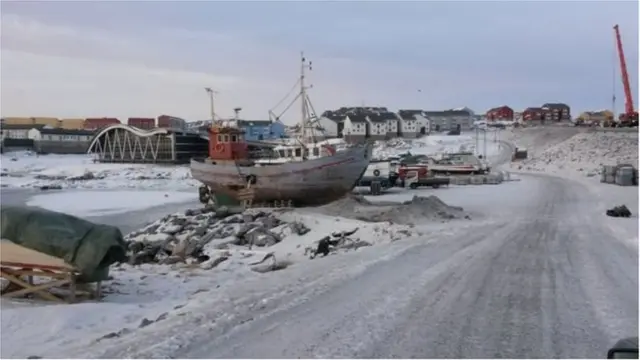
[
  {"x": 484, "y": 155},
  {"x": 211, "y": 93}
]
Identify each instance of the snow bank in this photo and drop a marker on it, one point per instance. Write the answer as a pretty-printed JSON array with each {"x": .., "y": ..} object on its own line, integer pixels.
[
  {"x": 583, "y": 153},
  {"x": 107, "y": 202},
  {"x": 147, "y": 293},
  {"x": 25, "y": 169},
  {"x": 434, "y": 145}
]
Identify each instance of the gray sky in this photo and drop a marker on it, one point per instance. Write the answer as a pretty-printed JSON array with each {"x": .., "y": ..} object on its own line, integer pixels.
[{"x": 80, "y": 59}]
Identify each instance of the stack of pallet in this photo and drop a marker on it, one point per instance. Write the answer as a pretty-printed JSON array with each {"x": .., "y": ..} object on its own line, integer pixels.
[{"x": 623, "y": 175}]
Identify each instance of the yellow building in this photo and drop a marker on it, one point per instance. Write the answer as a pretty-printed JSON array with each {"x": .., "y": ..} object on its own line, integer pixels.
[
  {"x": 47, "y": 121},
  {"x": 19, "y": 121},
  {"x": 596, "y": 116},
  {"x": 71, "y": 124}
]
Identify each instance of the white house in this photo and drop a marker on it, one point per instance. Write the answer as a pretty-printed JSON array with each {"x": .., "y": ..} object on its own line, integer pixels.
[
  {"x": 409, "y": 123},
  {"x": 66, "y": 135},
  {"x": 423, "y": 123},
  {"x": 329, "y": 124},
  {"x": 356, "y": 127},
  {"x": 18, "y": 131},
  {"x": 377, "y": 126}
]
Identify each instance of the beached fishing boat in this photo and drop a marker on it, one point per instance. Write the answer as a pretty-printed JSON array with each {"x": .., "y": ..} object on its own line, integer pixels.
[{"x": 303, "y": 180}]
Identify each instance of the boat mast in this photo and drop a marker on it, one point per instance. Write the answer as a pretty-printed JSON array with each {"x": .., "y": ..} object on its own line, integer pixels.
[{"x": 303, "y": 108}]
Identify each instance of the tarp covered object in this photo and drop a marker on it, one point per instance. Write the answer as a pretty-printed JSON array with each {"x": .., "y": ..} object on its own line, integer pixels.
[{"x": 89, "y": 247}]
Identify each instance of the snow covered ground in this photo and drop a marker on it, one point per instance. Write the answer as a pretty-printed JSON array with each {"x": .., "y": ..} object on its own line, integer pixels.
[
  {"x": 577, "y": 155},
  {"x": 27, "y": 170},
  {"x": 148, "y": 293},
  {"x": 583, "y": 153},
  {"x": 213, "y": 298},
  {"x": 100, "y": 203},
  {"x": 438, "y": 144}
]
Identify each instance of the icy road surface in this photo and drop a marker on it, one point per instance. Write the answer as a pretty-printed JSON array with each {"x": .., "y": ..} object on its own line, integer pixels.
[{"x": 549, "y": 281}]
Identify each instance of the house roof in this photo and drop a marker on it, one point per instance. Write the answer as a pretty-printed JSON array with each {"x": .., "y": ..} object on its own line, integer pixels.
[
  {"x": 555, "y": 106},
  {"x": 409, "y": 114},
  {"x": 47, "y": 131},
  {"x": 357, "y": 118},
  {"x": 254, "y": 122},
  {"x": 331, "y": 115},
  {"x": 376, "y": 118},
  {"x": 382, "y": 116},
  {"x": 21, "y": 126}
]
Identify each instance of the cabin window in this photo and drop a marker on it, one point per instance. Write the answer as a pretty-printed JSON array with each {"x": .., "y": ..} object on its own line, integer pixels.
[
  {"x": 298, "y": 152},
  {"x": 234, "y": 138},
  {"x": 226, "y": 138},
  {"x": 219, "y": 138},
  {"x": 316, "y": 151},
  {"x": 290, "y": 153}
]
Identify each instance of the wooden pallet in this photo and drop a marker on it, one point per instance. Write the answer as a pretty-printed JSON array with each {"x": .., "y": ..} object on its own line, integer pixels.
[{"x": 18, "y": 262}]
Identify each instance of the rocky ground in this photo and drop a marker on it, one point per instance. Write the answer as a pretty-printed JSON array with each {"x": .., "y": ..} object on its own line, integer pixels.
[
  {"x": 207, "y": 237},
  {"x": 583, "y": 153}
]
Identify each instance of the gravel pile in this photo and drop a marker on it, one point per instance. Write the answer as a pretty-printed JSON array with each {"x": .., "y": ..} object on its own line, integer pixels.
[{"x": 416, "y": 211}]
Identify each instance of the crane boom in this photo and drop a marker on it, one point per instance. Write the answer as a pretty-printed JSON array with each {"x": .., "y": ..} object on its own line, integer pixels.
[{"x": 628, "y": 104}]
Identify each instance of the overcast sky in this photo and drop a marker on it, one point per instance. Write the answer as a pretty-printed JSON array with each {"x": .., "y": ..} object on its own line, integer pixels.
[{"x": 122, "y": 59}]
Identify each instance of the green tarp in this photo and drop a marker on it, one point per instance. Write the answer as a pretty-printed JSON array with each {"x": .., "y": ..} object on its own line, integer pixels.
[{"x": 90, "y": 247}]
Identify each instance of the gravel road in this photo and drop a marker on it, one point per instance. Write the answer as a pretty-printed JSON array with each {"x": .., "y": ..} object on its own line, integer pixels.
[{"x": 549, "y": 282}]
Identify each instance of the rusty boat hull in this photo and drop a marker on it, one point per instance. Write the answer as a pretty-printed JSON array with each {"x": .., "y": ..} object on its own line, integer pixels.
[{"x": 305, "y": 183}]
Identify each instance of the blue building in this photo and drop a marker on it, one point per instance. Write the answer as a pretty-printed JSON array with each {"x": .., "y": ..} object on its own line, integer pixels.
[{"x": 262, "y": 129}]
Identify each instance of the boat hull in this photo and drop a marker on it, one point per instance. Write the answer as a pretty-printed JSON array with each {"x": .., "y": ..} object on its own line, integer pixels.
[{"x": 306, "y": 183}]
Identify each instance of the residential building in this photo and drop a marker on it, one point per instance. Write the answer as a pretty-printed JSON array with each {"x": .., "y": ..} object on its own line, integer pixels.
[
  {"x": 377, "y": 126},
  {"x": 142, "y": 123},
  {"x": 409, "y": 123},
  {"x": 449, "y": 120},
  {"x": 18, "y": 121},
  {"x": 47, "y": 121},
  {"x": 384, "y": 122},
  {"x": 332, "y": 124},
  {"x": 98, "y": 123},
  {"x": 534, "y": 114},
  {"x": 60, "y": 141},
  {"x": 356, "y": 127},
  {"x": 71, "y": 124},
  {"x": 17, "y": 131},
  {"x": 596, "y": 117},
  {"x": 558, "y": 111},
  {"x": 171, "y": 122},
  {"x": 256, "y": 130},
  {"x": 500, "y": 113},
  {"x": 16, "y": 136}
]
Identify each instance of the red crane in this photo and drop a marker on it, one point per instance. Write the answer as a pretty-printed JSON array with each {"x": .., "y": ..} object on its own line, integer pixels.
[{"x": 630, "y": 116}]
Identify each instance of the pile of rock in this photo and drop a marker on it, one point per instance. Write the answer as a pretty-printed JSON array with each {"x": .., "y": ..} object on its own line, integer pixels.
[
  {"x": 416, "y": 211},
  {"x": 188, "y": 237},
  {"x": 586, "y": 153}
]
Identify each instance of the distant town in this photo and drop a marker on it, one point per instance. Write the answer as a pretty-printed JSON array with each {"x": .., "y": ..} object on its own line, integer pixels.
[{"x": 160, "y": 139}]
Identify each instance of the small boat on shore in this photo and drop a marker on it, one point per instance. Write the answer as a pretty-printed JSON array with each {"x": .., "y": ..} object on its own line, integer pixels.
[{"x": 302, "y": 177}]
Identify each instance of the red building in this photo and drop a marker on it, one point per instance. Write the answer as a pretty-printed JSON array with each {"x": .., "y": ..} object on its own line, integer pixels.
[
  {"x": 535, "y": 114},
  {"x": 97, "y": 123},
  {"x": 171, "y": 122},
  {"x": 142, "y": 123},
  {"x": 500, "y": 113}
]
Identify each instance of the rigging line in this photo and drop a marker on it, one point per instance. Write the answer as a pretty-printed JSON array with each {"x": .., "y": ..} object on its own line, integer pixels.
[
  {"x": 288, "y": 106},
  {"x": 286, "y": 96}
]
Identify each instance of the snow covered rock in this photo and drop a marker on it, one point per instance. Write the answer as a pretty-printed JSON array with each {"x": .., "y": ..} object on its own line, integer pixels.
[{"x": 584, "y": 153}]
